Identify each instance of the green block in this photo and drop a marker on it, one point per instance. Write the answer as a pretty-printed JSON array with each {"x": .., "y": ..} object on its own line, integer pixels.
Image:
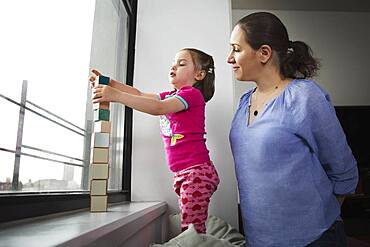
[{"x": 101, "y": 114}]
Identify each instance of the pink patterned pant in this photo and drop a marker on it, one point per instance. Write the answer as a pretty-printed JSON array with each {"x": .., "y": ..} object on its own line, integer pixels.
[{"x": 195, "y": 186}]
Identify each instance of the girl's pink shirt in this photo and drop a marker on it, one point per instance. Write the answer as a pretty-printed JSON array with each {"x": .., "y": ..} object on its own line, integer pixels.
[{"x": 183, "y": 132}]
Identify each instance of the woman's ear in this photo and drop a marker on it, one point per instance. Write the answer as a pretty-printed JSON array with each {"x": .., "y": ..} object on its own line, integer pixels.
[
  {"x": 264, "y": 53},
  {"x": 200, "y": 75}
]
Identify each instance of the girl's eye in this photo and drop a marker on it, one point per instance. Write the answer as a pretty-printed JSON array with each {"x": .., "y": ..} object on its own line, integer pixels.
[{"x": 182, "y": 64}]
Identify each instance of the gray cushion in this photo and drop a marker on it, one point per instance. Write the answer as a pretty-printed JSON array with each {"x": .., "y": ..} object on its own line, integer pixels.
[{"x": 219, "y": 233}]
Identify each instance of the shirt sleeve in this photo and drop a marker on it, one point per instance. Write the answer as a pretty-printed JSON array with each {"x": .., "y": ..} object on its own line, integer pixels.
[
  {"x": 163, "y": 95},
  {"x": 190, "y": 97},
  {"x": 325, "y": 136}
]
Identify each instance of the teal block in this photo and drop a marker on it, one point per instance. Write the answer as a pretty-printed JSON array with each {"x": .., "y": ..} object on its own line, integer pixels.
[
  {"x": 104, "y": 80},
  {"x": 101, "y": 114}
]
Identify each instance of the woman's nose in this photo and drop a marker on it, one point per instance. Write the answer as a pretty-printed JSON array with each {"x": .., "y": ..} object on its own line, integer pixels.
[{"x": 230, "y": 58}]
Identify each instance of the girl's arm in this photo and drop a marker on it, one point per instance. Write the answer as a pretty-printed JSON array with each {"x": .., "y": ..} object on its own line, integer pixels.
[
  {"x": 102, "y": 93},
  {"x": 121, "y": 87},
  {"x": 131, "y": 90}
]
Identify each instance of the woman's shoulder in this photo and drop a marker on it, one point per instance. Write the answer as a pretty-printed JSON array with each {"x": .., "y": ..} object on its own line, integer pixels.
[
  {"x": 305, "y": 91},
  {"x": 302, "y": 99}
]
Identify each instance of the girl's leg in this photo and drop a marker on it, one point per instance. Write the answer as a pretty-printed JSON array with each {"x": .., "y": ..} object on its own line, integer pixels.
[{"x": 195, "y": 188}]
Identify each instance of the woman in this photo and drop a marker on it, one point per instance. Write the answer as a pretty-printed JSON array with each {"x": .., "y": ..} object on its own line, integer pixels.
[{"x": 292, "y": 160}]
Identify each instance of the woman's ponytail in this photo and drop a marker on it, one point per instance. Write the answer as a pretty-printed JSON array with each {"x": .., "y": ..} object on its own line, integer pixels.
[{"x": 299, "y": 62}]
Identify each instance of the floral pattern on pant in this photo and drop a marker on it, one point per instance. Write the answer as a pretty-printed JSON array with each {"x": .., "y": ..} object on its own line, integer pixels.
[{"x": 195, "y": 186}]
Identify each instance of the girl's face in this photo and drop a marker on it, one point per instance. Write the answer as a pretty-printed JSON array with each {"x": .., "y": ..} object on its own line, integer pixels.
[
  {"x": 242, "y": 57},
  {"x": 182, "y": 72}
]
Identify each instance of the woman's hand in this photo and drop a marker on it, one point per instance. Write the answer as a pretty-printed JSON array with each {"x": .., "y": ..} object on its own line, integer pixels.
[
  {"x": 92, "y": 78},
  {"x": 103, "y": 93}
]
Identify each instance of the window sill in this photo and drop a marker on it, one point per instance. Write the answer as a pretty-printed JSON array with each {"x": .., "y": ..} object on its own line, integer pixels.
[
  {"x": 18, "y": 206},
  {"x": 83, "y": 228}
]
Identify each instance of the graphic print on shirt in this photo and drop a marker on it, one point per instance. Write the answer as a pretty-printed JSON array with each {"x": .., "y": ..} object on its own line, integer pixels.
[
  {"x": 165, "y": 125},
  {"x": 166, "y": 130}
]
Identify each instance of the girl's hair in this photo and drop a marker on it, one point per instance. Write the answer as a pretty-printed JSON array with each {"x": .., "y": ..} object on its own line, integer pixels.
[
  {"x": 294, "y": 57},
  {"x": 203, "y": 61}
]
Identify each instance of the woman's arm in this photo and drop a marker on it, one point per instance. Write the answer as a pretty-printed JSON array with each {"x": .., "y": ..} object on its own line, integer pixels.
[
  {"x": 102, "y": 93},
  {"x": 329, "y": 143}
]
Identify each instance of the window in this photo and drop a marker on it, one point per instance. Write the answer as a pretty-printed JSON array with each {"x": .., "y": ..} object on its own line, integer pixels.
[
  {"x": 45, "y": 104},
  {"x": 109, "y": 55}
]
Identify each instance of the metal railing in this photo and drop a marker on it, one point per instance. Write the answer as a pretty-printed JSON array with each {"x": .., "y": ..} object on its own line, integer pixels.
[{"x": 23, "y": 106}]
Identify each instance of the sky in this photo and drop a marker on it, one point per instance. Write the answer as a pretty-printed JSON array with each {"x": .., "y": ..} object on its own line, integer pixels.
[{"x": 47, "y": 43}]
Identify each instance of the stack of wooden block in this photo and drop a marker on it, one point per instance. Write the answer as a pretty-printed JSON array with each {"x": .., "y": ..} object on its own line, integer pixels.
[{"x": 99, "y": 168}]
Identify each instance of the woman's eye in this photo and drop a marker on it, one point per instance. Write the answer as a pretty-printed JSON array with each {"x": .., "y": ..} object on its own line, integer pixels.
[{"x": 235, "y": 48}]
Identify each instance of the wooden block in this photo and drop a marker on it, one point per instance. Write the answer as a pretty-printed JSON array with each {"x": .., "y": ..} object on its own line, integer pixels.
[
  {"x": 102, "y": 126},
  {"x": 99, "y": 171},
  {"x": 100, "y": 155},
  {"x": 104, "y": 80},
  {"x": 101, "y": 114},
  {"x": 98, "y": 203},
  {"x": 98, "y": 187},
  {"x": 101, "y": 105},
  {"x": 100, "y": 140}
]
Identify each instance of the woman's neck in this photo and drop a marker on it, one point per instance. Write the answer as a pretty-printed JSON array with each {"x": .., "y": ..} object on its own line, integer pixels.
[{"x": 270, "y": 82}]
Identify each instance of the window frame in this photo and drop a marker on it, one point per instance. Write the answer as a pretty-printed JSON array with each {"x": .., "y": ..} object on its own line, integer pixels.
[{"x": 22, "y": 205}]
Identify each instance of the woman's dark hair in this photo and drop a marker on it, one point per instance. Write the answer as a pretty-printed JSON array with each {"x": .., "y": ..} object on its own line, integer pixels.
[
  {"x": 294, "y": 57},
  {"x": 203, "y": 61}
]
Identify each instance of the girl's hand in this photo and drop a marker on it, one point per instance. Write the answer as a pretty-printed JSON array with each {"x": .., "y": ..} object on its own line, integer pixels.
[
  {"x": 92, "y": 78},
  {"x": 103, "y": 93}
]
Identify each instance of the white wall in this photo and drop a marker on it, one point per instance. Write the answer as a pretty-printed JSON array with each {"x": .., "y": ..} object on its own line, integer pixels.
[
  {"x": 340, "y": 40},
  {"x": 164, "y": 27}
]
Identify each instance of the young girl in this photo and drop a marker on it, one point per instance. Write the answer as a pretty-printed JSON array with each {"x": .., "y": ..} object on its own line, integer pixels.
[{"x": 182, "y": 113}]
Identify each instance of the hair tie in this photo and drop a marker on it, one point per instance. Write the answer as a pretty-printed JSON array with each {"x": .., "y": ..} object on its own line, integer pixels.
[
  {"x": 290, "y": 47},
  {"x": 210, "y": 70}
]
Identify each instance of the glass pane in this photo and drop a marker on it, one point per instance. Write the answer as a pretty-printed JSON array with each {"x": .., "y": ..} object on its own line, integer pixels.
[
  {"x": 6, "y": 171},
  {"x": 52, "y": 53},
  {"x": 109, "y": 55},
  {"x": 8, "y": 132},
  {"x": 33, "y": 175},
  {"x": 43, "y": 134},
  {"x": 9, "y": 115}
]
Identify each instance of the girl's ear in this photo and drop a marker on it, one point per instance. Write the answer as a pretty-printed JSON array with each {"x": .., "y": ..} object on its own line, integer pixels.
[
  {"x": 200, "y": 75},
  {"x": 264, "y": 53}
]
